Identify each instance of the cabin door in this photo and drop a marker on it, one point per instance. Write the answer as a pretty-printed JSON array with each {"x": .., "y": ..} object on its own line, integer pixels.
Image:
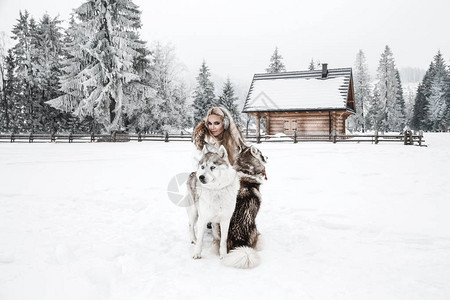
[{"x": 290, "y": 126}]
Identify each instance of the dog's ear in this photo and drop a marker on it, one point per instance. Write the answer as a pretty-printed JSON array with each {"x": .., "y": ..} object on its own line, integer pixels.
[
  {"x": 254, "y": 151},
  {"x": 205, "y": 150},
  {"x": 222, "y": 152},
  {"x": 243, "y": 148}
]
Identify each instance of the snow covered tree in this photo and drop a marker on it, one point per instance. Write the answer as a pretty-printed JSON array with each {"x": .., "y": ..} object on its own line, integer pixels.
[
  {"x": 101, "y": 80},
  {"x": 314, "y": 65},
  {"x": 47, "y": 64},
  {"x": 24, "y": 53},
  {"x": 4, "y": 113},
  {"x": 420, "y": 110},
  {"x": 437, "y": 102},
  {"x": 229, "y": 101},
  {"x": 170, "y": 111},
  {"x": 445, "y": 125},
  {"x": 387, "y": 86},
  {"x": 433, "y": 97},
  {"x": 276, "y": 65},
  {"x": 362, "y": 88},
  {"x": 399, "y": 120},
  {"x": 375, "y": 116},
  {"x": 204, "y": 97},
  {"x": 183, "y": 111},
  {"x": 13, "y": 116},
  {"x": 409, "y": 105},
  {"x": 420, "y": 120}
]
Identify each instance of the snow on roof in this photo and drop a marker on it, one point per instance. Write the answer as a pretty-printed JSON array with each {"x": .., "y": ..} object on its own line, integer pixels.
[{"x": 296, "y": 91}]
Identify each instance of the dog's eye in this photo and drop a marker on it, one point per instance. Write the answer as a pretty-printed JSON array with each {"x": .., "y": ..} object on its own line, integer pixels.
[
  {"x": 202, "y": 167},
  {"x": 212, "y": 168}
]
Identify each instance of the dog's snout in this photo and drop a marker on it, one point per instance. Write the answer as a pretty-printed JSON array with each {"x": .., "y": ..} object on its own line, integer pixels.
[{"x": 201, "y": 178}]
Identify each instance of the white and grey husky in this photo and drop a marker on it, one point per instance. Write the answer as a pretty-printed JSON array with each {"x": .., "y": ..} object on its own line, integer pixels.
[{"x": 214, "y": 188}]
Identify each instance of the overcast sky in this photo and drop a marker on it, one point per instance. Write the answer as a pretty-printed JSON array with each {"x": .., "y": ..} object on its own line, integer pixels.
[{"x": 236, "y": 37}]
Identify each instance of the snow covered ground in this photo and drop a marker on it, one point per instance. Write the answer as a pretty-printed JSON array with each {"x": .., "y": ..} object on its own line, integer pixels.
[{"x": 340, "y": 221}]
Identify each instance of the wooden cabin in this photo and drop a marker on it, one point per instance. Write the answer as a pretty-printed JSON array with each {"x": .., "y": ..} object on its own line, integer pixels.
[{"x": 308, "y": 102}]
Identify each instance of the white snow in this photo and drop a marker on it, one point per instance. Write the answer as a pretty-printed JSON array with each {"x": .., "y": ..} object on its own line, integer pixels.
[{"x": 340, "y": 221}]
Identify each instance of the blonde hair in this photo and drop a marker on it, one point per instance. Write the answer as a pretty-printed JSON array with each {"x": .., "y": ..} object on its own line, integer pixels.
[{"x": 232, "y": 137}]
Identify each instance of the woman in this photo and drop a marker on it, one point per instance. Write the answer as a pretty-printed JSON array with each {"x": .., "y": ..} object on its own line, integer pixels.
[{"x": 218, "y": 128}]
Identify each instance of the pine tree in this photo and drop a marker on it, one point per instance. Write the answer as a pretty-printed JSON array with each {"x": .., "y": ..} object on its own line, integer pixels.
[
  {"x": 100, "y": 68},
  {"x": 312, "y": 65},
  {"x": 48, "y": 55},
  {"x": 183, "y": 111},
  {"x": 375, "y": 115},
  {"x": 11, "y": 104},
  {"x": 170, "y": 110},
  {"x": 399, "y": 120},
  {"x": 4, "y": 113},
  {"x": 409, "y": 105},
  {"x": 24, "y": 55},
  {"x": 229, "y": 101},
  {"x": 431, "y": 107},
  {"x": 387, "y": 87},
  {"x": 420, "y": 111},
  {"x": 437, "y": 102},
  {"x": 276, "y": 65},
  {"x": 362, "y": 92},
  {"x": 140, "y": 116},
  {"x": 446, "y": 116},
  {"x": 204, "y": 97}
]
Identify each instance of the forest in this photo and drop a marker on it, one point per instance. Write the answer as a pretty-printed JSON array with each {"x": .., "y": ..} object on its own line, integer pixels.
[{"x": 98, "y": 75}]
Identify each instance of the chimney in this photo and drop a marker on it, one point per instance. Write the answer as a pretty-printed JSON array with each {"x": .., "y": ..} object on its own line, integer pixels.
[{"x": 324, "y": 70}]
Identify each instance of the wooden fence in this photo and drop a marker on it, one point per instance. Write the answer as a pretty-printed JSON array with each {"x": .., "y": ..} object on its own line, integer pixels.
[
  {"x": 89, "y": 138},
  {"x": 407, "y": 138}
]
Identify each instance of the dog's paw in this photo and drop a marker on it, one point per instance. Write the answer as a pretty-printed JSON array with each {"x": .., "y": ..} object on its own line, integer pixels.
[
  {"x": 193, "y": 242},
  {"x": 196, "y": 256}
]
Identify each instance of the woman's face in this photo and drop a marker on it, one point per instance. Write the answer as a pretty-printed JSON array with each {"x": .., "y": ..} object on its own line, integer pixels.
[{"x": 215, "y": 124}]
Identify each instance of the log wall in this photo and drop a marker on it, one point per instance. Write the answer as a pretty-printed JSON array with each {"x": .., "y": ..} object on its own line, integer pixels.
[{"x": 314, "y": 122}]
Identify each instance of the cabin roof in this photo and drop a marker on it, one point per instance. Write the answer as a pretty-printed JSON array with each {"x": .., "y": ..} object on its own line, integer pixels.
[{"x": 300, "y": 91}]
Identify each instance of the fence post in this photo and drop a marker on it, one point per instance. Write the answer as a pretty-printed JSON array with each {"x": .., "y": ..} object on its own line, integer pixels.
[
  {"x": 166, "y": 137},
  {"x": 71, "y": 137},
  {"x": 139, "y": 137},
  {"x": 53, "y": 137},
  {"x": 92, "y": 137},
  {"x": 295, "y": 136},
  {"x": 258, "y": 138},
  {"x": 408, "y": 138},
  {"x": 420, "y": 137},
  {"x": 334, "y": 136},
  {"x": 30, "y": 138},
  {"x": 114, "y": 136},
  {"x": 376, "y": 137},
  {"x": 12, "y": 138}
]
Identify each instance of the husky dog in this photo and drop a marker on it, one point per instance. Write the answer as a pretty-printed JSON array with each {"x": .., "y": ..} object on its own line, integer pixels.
[
  {"x": 213, "y": 188},
  {"x": 243, "y": 237}
]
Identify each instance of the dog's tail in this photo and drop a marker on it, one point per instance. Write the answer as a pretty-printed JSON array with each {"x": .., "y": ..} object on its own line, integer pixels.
[{"x": 242, "y": 258}]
